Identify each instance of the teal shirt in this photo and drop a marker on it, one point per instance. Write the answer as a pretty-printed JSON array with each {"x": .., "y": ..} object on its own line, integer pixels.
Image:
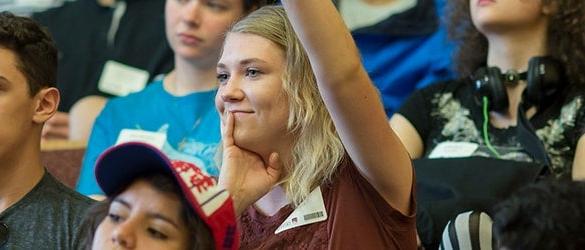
[{"x": 191, "y": 125}]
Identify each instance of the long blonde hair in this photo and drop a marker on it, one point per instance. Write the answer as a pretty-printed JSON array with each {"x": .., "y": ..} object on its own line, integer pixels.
[{"x": 317, "y": 150}]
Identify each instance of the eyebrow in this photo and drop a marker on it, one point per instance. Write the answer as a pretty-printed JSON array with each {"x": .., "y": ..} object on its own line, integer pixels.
[
  {"x": 150, "y": 215},
  {"x": 164, "y": 218},
  {"x": 244, "y": 62}
]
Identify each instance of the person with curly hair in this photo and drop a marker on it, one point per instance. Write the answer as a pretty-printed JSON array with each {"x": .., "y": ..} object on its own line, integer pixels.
[
  {"x": 545, "y": 215},
  {"x": 520, "y": 95}
]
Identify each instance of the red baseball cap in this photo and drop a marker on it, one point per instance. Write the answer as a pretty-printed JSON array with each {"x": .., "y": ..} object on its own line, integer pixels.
[{"x": 120, "y": 165}]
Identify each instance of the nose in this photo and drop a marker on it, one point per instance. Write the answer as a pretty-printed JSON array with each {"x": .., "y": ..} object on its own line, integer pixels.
[
  {"x": 231, "y": 92},
  {"x": 124, "y": 235},
  {"x": 191, "y": 13}
]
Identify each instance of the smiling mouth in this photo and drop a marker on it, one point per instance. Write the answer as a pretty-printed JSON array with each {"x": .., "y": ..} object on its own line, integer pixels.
[
  {"x": 241, "y": 112},
  {"x": 485, "y": 2}
]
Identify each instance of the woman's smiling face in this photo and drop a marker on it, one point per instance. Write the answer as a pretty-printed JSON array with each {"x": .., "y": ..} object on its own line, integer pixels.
[{"x": 250, "y": 73}]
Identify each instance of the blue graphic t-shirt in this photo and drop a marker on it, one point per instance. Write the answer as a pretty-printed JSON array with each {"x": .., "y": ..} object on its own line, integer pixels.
[{"x": 190, "y": 123}]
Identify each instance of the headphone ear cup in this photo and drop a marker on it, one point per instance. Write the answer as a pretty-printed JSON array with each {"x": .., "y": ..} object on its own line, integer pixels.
[
  {"x": 488, "y": 82},
  {"x": 544, "y": 77}
]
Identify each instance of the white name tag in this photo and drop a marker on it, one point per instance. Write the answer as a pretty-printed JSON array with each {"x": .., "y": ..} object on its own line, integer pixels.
[
  {"x": 120, "y": 79},
  {"x": 453, "y": 150},
  {"x": 310, "y": 211},
  {"x": 155, "y": 139}
]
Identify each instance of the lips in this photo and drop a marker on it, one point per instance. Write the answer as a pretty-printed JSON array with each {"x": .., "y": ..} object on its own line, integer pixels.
[
  {"x": 241, "y": 111},
  {"x": 189, "y": 39},
  {"x": 485, "y": 2}
]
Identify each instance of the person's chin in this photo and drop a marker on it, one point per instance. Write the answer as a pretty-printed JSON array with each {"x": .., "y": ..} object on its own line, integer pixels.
[
  {"x": 246, "y": 141},
  {"x": 191, "y": 53}
]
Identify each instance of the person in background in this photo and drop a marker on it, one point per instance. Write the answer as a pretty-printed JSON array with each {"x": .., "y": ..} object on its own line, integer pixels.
[
  {"x": 156, "y": 203},
  {"x": 107, "y": 48},
  {"x": 403, "y": 44},
  {"x": 28, "y": 7},
  {"x": 306, "y": 103},
  {"x": 546, "y": 215},
  {"x": 520, "y": 96},
  {"x": 36, "y": 210},
  {"x": 176, "y": 113}
]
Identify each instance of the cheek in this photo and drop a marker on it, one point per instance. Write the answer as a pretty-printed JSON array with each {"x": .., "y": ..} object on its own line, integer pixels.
[
  {"x": 217, "y": 26},
  {"x": 102, "y": 236},
  {"x": 219, "y": 102}
]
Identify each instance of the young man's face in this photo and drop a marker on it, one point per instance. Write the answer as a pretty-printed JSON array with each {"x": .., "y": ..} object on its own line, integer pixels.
[{"x": 16, "y": 106}]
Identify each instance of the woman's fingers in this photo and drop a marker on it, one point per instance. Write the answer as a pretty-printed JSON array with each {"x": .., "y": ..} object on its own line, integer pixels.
[
  {"x": 228, "y": 130},
  {"x": 274, "y": 168}
]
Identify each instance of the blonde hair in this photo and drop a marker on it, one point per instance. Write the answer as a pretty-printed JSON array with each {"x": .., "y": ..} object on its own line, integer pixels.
[{"x": 317, "y": 150}]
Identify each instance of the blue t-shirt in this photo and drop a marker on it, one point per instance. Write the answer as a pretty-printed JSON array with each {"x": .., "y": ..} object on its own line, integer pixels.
[
  {"x": 407, "y": 51},
  {"x": 191, "y": 125}
]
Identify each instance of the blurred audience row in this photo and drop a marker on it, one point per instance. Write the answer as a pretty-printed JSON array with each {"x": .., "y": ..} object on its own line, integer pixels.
[{"x": 311, "y": 111}]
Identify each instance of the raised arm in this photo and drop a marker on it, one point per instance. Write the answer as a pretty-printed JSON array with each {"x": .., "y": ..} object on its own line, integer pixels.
[{"x": 352, "y": 100}]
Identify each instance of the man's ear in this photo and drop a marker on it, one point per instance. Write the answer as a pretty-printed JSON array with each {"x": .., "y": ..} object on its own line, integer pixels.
[{"x": 46, "y": 104}]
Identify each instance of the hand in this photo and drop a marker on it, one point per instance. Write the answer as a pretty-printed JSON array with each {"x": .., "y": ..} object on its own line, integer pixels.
[
  {"x": 243, "y": 173},
  {"x": 57, "y": 127}
]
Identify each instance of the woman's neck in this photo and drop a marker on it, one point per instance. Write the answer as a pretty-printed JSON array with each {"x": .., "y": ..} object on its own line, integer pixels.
[
  {"x": 276, "y": 198},
  {"x": 189, "y": 77},
  {"x": 272, "y": 202},
  {"x": 511, "y": 51}
]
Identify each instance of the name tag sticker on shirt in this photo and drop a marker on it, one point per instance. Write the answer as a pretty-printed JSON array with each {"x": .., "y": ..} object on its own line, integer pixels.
[
  {"x": 155, "y": 139},
  {"x": 310, "y": 211},
  {"x": 119, "y": 79},
  {"x": 452, "y": 149}
]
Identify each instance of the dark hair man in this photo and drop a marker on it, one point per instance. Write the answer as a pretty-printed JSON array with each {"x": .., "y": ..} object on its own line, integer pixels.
[{"x": 36, "y": 211}]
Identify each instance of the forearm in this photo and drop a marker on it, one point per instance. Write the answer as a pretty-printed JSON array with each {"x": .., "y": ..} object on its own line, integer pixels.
[{"x": 329, "y": 45}]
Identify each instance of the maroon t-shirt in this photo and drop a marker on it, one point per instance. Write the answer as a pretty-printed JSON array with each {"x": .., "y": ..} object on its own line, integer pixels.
[{"x": 358, "y": 218}]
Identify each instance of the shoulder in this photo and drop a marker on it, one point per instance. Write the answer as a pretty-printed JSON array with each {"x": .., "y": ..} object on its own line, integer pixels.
[
  {"x": 54, "y": 190},
  {"x": 424, "y": 97},
  {"x": 448, "y": 86},
  {"x": 382, "y": 226},
  {"x": 349, "y": 182}
]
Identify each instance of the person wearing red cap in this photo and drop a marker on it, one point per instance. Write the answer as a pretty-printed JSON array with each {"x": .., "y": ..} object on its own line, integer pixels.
[{"x": 159, "y": 203}]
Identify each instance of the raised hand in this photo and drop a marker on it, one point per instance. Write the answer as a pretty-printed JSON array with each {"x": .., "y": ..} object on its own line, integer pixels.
[{"x": 243, "y": 173}]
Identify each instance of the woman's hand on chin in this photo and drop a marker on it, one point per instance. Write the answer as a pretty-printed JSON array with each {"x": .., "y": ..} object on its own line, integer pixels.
[{"x": 243, "y": 173}]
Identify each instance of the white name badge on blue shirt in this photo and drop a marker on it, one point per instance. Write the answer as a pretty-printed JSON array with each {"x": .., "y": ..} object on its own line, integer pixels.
[
  {"x": 451, "y": 149},
  {"x": 311, "y": 210},
  {"x": 119, "y": 79},
  {"x": 156, "y": 139}
]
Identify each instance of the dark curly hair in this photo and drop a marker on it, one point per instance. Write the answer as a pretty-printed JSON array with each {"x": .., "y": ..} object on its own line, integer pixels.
[
  {"x": 34, "y": 48},
  {"x": 565, "y": 40},
  {"x": 546, "y": 215}
]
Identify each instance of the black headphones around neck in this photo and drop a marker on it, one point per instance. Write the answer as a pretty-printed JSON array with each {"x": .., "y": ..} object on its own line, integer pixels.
[{"x": 544, "y": 77}]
